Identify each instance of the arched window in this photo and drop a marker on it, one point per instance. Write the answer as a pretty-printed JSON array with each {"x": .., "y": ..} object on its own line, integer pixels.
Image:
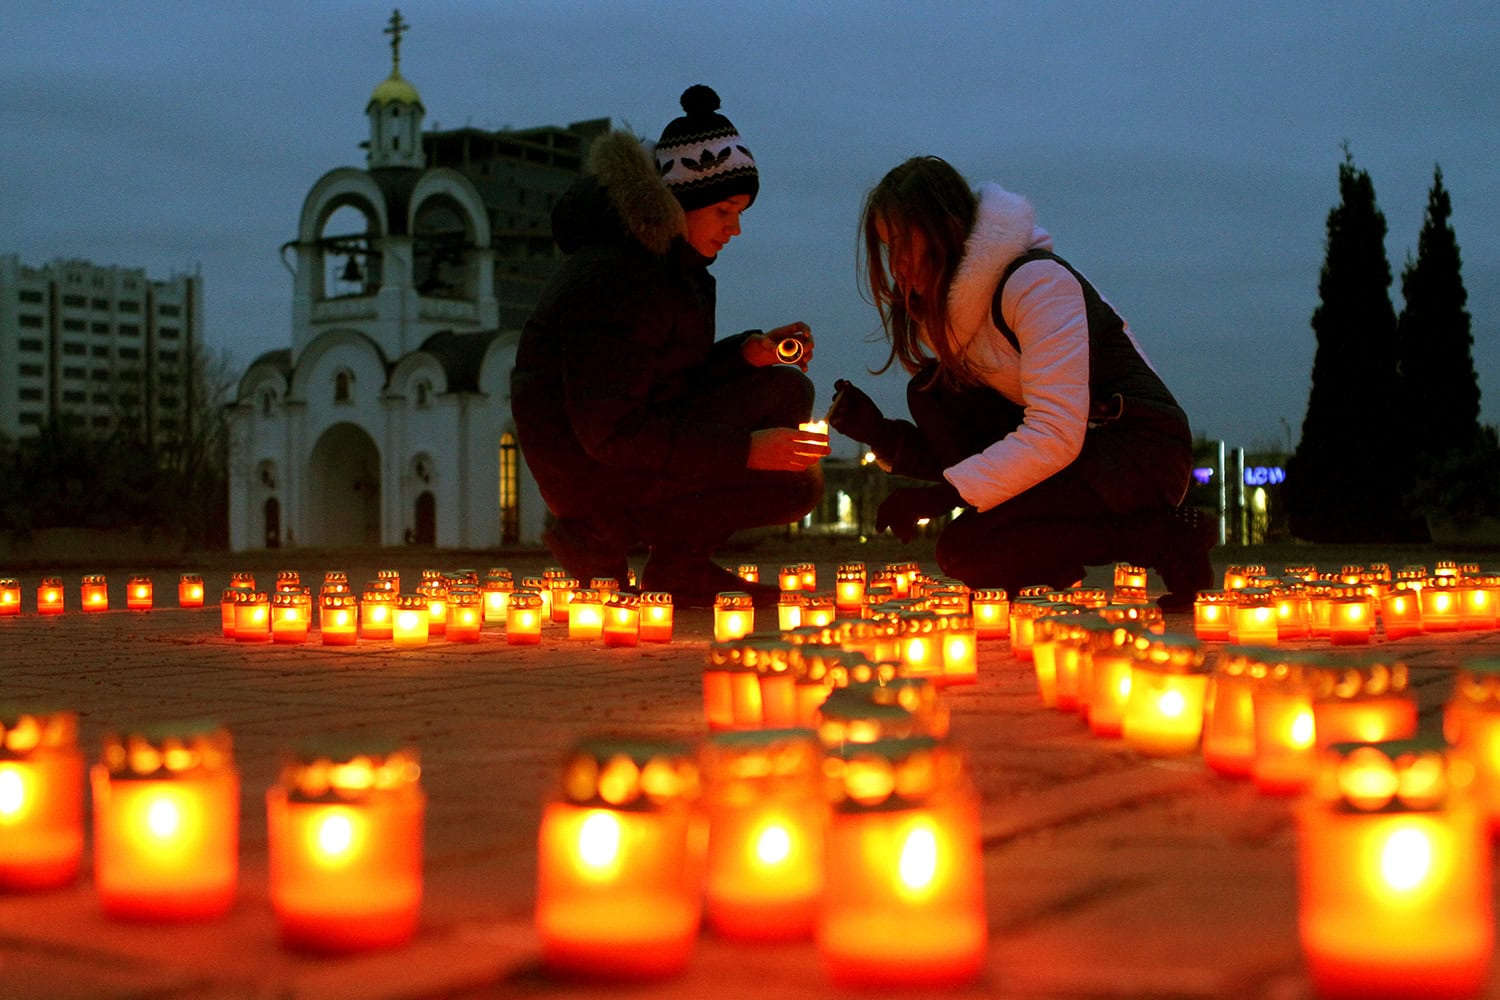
[
  {"x": 267, "y": 403},
  {"x": 343, "y": 386},
  {"x": 424, "y": 394}
]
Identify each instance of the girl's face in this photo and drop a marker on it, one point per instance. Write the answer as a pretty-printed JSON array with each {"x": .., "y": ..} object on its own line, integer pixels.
[
  {"x": 905, "y": 254},
  {"x": 710, "y": 228}
]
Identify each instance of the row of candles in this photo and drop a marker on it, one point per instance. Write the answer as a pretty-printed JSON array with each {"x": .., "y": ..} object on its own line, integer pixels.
[
  {"x": 1344, "y": 607},
  {"x": 344, "y": 828},
  {"x": 1394, "y": 826}
]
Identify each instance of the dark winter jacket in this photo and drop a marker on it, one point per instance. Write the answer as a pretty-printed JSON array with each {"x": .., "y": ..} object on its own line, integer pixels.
[{"x": 618, "y": 336}]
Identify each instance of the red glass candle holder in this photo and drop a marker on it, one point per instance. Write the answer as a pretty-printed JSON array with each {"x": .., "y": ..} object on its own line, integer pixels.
[
  {"x": 1393, "y": 876},
  {"x": 166, "y": 823},
  {"x": 465, "y": 615},
  {"x": 377, "y": 613},
  {"x": 93, "y": 593},
  {"x": 291, "y": 615},
  {"x": 903, "y": 902},
  {"x": 252, "y": 617},
  {"x": 1168, "y": 689},
  {"x": 49, "y": 596},
  {"x": 138, "y": 593},
  {"x": 524, "y": 614},
  {"x": 10, "y": 597},
  {"x": 41, "y": 799},
  {"x": 1361, "y": 701},
  {"x": 763, "y": 798},
  {"x": 190, "y": 591},
  {"x": 338, "y": 618},
  {"x": 991, "y": 610},
  {"x": 344, "y": 829},
  {"x": 734, "y": 615},
  {"x": 620, "y": 856}
]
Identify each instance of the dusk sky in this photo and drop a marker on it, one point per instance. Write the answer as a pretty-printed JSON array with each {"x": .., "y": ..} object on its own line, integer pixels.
[{"x": 1183, "y": 155}]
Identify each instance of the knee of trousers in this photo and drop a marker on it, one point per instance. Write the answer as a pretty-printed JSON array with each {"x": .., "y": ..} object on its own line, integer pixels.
[
  {"x": 783, "y": 395},
  {"x": 1007, "y": 556}
]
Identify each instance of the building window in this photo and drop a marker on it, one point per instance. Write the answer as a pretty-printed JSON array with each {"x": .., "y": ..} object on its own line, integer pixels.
[
  {"x": 31, "y": 419},
  {"x": 67, "y": 372},
  {"x": 75, "y": 300},
  {"x": 97, "y": 327},
  {"x": 101, "y": 305},
  {"x": 69, "y": 347},
  {"x": 424, "y": 394},
  {"x": 30, "y": 295},
  {"x": 30, "y": 395},
  {"x": 130, "y": 330},
  {"x": 130, "y": 353},
  {"x": 510, "y": 491},
  {"x": 39, "y": 370},
  {"x": 100, "y": 351},
  {"x": 74, "y": 396},
  {"x": 74, "y": 325},
  {"x": 35, "y": 322},
  {"x": 168, "y": 309},
  {"x": 100, "y": 375},
  {"x": 267, "y": 403},
  {"x": 168, "y": 357},
  {"x": 168, "y": 333},
  {"x": 343, "y": 386},
  {"x": 129, "y": 306}
]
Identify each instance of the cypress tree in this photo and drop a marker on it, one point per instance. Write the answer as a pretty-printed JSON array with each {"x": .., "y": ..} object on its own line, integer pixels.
[
  {"x": 1346, "y": 480},
  {"x": 1450, "y": 451}
]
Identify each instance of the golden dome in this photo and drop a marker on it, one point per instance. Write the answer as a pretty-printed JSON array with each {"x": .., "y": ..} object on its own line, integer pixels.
[{"x": 394, "y": 89}]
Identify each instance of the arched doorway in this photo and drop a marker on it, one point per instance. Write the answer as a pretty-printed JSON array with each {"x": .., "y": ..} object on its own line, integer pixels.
[
  {"x": 273, "y": 523},
  {"x": 343, "y": 483},
  {"x": 425, "y": 516},
  {"x": 510, "y": 489}
]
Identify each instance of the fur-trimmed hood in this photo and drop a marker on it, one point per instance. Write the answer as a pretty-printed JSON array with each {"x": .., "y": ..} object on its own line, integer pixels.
[
  {"x": 623, "y": 196},
  {"x": 1004, "y": 228}
]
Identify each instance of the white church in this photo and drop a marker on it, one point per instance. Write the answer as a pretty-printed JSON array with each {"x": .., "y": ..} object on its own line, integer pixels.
[{"x": 388, "y": 419}]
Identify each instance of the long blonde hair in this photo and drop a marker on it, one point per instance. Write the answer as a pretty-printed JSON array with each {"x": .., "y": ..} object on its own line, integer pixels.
[{"x": 923, "y": 194}]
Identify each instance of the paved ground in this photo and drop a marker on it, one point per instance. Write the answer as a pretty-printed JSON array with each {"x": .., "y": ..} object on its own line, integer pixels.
[{"x": 1107, "y": 874}]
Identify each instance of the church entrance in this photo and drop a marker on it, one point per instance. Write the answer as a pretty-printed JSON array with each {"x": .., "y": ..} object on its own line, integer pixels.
[
  {"x": 343, "y": 486},
  {"x": 425, "y": 532}
]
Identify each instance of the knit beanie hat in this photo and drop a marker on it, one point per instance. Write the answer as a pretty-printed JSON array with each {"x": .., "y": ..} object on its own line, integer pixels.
[{"x": 701, "y": 155}]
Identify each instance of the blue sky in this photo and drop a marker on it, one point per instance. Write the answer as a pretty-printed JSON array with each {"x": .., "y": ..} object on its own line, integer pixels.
[{"x": 1183, "y": 155}]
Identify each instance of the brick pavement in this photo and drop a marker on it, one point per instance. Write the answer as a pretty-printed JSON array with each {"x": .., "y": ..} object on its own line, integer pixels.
[{"x": 1107, "y": 874}]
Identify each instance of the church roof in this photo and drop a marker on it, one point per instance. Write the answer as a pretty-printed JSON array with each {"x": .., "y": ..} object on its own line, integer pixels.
[
  {"x": 395, "y": 89},
  {"x": 279, "y": 359},
  {"x": 461, "y": 355}
]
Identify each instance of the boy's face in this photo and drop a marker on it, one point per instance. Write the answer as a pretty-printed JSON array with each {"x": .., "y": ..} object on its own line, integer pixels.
[{"x": 710, "y": 228}]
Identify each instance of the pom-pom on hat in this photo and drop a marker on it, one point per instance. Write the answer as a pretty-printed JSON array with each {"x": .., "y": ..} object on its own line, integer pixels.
[{"x": 701, "y": 155}]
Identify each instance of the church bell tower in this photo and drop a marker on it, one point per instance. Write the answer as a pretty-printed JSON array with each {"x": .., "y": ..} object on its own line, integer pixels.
[{"x": 395, "y": 112}]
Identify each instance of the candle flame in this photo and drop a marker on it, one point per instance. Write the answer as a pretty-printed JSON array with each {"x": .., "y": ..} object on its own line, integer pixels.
[
  {"x": 774, "y": 845},
  {"x": 163, "y": 818},
  {"x": 12, "y": 793},
  {"x": 335, "y": 835},
  {"x": 1302, "y": 731},
  {"x": 1172, "y": 704},
  {"x": 1406, "y": 859},
  {"x": 919, "y": 858},
  {"x": 599, "y": 841}
]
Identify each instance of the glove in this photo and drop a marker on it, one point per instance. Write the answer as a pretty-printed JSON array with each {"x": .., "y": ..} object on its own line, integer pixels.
[
  {"x": 905, "y": 507},
  {"x": 855, "y": 415}
]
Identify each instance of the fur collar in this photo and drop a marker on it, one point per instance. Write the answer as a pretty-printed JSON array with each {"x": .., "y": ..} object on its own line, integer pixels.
[
  {"x": 627, "y": 169},
  {"x": 1004, "y": 228}
]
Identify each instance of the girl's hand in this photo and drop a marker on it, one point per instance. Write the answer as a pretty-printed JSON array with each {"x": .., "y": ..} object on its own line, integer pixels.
[
  {"x": 786, "y": 345},
  {"x": 785, "y": 449}
]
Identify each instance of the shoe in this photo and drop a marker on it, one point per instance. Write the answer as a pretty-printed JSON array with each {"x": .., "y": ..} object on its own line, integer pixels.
[
  {"x": 694, "y": 582},
  {"x": 585, "y": 552},
  {"x": 1182, "y": 557}
]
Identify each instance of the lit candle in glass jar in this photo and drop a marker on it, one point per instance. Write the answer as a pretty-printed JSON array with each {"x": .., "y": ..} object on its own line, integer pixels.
[
  {"x": 586, "y": 615},
  {"x": 1238, "y": 577},
  {"x": 1112, "y": 653},
  {"x": 93, "y": 593},
  {"x": 921, "y": 645},
  {"x": 1285, "y": 731},
  {"x": 656, "y": 616},
  {"x": 1229, "y": 717},
  {"x": 49, "y": 596},
  {"x": 959, "y": 648},
  {"x": 620, "y": 857},
  {"x": 1400, "y": 613},
  {"x": 734, "y": 615},
  {"x": 10, "y": 597},
  {"x": 789, "y": 579},
  {"x": 1130, "y": 583},
  {"x": 252, "y": 617},
  {"x": 465, "y": 614},
  {"x": 849, "y": 589},
  {"x": 166, "y": 823},
  {"x": 291, "y": 613},
  {"x": 338, "y": 618},
  {"x": 138, "y": 593},
  {"x": 789, "y": 609},
  {"x": 1360, "y": 701},
  {"x": 903, "y": 900},
  {"x": 1393, "y": 876},
  {"x": 1351, "y": 616},
  {"x": 497, "y": 591},
  {"x": 622, "y": 620},
  {"x": 344, "y": 829},
  {"x": 410, "y": 620},
  {"x": 1478, "y": 601},
  {"x": 772, "y": 661},
  {"x": 1253, "y": 618},
  {"x": 242, "y": 580},
  {"x": 763, "y": 796},
  {"x": 809, "y": 574},
  {"x": 190, "y": 591},
  {"x": 1441, "y": 607},
  {"x": 561, "y": 588},
  {"x": 718, "y": 701},
  {"x": 749, "y": 572},
  {"x": 991, "y": 613},
  {"x": 1293, "y": 610},
  {"x": 377, "y": 614},
  {"x": 227, "y": 602},
  {"x": 1471, "y": 724},
  {"x": 1168, "y": 688},
  {"x": 818, "y": 609},
  {"x": 1023, "y": 615},
  {"x": 435, "y": 591},
  {"x": 1212, "y": 611},
  {"x": 523, "y": 618},
  {"x": 851, "y": 714},
  {"x": 41, "y": 799}
]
